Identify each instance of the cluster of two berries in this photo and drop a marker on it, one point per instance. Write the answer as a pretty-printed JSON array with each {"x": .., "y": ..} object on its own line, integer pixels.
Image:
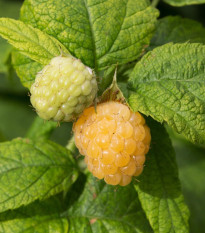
[{"x": 113, "y": 139}]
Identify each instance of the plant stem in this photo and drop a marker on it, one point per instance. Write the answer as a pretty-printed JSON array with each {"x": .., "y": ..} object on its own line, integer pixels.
[
  {"x": 155, "y": 3},
  {"x": 71, "y": 145}
]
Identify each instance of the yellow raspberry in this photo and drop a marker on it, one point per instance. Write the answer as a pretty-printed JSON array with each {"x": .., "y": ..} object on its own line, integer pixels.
[
  {"x": 114, "y": 141},
  {"x": 63, "y": 89}
]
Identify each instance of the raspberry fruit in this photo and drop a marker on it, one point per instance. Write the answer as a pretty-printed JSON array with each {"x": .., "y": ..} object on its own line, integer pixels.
[
  {"x": 114, "y": 141},
  {"x": 63, "y": 89}
]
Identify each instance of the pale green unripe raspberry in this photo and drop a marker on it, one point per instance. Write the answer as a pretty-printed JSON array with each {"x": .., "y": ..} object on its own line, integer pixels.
[{"x": 63, "y": 89}]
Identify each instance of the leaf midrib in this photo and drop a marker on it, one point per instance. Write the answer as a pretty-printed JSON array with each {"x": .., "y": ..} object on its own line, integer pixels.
[{"x": 92, "y": 35}]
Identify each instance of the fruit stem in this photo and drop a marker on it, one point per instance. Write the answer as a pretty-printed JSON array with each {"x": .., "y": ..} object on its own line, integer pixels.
[
  {"x": 155, "y": 3},
  {"x": 71, "y": 145}
]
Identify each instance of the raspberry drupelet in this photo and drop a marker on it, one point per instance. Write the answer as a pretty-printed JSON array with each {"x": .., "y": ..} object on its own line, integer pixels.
[
  {"x": 63, "y": 89},
  {"x": 114, "y": 141}
]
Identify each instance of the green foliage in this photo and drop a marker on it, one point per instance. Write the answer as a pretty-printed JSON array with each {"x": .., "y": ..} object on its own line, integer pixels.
[
  {"x": 7, "y": 9},
  {"x": 41, "y": 217},
  {"x": 33, "y": 170},
  {"x": 80, "y": 26},
  {"x": 104, "y": 208},
  {"x": 25, "y": 68},
  {"x": 177, "y": 30},
  {"x": 30, "y": 41},
  {"x": 184, "y": 2},
  {"x": 5, "y": 49},
  {"x": 84, "y": 26},
  {"x": 191, "y": 162},
  {"x": 41, "y": 129},
  {"x": 168, "y": 84},
  {"x": 44, "y": 186},
  {"x": 159, "y": 188}
]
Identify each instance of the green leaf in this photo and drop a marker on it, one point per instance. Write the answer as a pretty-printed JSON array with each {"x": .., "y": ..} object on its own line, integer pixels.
[
  {"x": 178, "y": 30},
  {"x": 7, "y": 9},
  {"x": 104, "y": 208},
  {"x": 184, "y": 2},
  {"x": 159, "y": 187},
  {"x": 5, "y": 49},
  {"x": 26, "y": 68},
  {"x": 100, "y": 33},
  {"x": 41, "y": 217},
  {"x": 30, "y": 41},
  {"x": 41, "y": 129},
  {"x": 191, "y": 162},
  {"x": 86, "y": 35},
  {"x": 168, "y": 84},
  {"x": 31, "y": 170}
]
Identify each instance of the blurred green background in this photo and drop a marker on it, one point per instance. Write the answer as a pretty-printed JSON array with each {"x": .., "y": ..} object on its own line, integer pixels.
[{"x": 16, "y": 116}]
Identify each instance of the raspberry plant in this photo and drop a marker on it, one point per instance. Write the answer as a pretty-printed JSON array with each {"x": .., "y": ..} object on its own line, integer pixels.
[{"x": 66, "y": 53}]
